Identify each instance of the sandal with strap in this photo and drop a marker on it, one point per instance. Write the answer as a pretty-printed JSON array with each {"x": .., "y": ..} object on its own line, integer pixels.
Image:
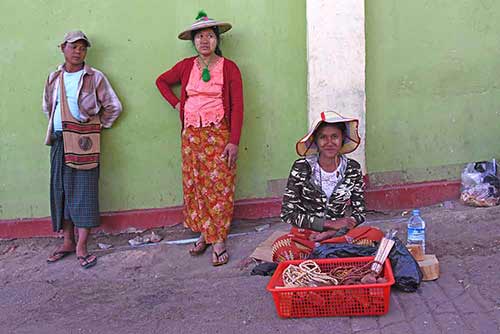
[
  {"x": 199, "y": 248},
  {"x": 218, "y": 256},
  {"x": 58, "y": 255},
  {"x": 86, "y": 261}
]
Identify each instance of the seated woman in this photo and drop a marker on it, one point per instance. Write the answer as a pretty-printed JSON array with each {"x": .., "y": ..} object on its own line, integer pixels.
[{"x": 319, "y": 189}]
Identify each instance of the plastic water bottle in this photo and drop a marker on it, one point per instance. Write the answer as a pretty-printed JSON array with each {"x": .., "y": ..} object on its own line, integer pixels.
[{"x": 416, "y": 230}]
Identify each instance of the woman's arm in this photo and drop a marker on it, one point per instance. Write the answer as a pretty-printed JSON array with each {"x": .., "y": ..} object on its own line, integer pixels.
[
  {"x": 236, "y": 93},
  {"x": 292, "y": 209},
  {"x": 358, "y": 195},
  {"x": 168, "y": 79}
]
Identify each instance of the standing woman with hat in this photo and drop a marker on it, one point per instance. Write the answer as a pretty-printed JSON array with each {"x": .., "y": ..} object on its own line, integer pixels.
[
  {"x": 321, "y": 185},
  {"x": 211, "y": 112}
]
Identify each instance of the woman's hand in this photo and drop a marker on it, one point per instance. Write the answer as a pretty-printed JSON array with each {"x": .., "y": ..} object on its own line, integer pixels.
[
  {"x": 231, "y": 154},
  {"x": 320, "y": 236},
  {"x": 331, "y": 228},
  {"x": 337, "y": 224}
]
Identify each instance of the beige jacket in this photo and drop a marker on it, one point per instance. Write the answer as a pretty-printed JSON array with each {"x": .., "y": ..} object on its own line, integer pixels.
[{"x": 94, "y": 93}]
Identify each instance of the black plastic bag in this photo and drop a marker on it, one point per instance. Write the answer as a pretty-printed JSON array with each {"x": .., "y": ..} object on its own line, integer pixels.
[
  {"x": 264, "y": 269},
  {"x": 406, "y": 271}
]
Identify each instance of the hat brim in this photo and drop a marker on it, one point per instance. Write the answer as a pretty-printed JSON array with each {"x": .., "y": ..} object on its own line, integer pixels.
[
  {"x": 76, "y": 39},
  {"x": 307, "y": 146},
  {"x": 223, "y": 27}
]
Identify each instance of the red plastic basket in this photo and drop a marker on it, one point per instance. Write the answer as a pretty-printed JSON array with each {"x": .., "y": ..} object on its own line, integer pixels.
[{"x": 327, "y": 301}]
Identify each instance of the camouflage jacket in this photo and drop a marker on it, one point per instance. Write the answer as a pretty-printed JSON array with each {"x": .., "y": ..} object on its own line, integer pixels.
[{"x": 305, "y": 205}]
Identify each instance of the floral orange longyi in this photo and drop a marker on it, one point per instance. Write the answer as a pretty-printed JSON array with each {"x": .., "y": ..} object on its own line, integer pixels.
[{"x": 207, "y": 181}]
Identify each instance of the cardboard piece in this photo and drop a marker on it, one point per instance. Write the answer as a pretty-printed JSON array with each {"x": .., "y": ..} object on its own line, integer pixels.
[
  {"x": 430, "y": 267},
  {"x": 264, "y": 251}
]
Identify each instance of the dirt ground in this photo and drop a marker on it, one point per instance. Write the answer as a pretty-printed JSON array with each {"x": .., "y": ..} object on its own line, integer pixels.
[{"x": 161, "y": 289}]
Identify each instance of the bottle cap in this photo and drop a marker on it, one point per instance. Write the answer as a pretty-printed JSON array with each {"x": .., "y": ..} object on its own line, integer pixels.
[{"x": 415, "y": 212}]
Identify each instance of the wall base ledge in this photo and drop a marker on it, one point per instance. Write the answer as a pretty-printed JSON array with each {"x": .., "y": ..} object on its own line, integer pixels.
[{"x": 389, "y": 197}]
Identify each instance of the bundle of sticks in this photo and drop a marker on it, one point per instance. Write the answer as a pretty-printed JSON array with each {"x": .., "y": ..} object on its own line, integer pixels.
[{"x": 383, "y": 251}]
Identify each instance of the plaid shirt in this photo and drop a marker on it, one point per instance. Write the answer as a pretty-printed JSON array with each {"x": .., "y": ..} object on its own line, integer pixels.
[
  {"x": 305, "y": 205},
  {"x": 94, "y": 93}
]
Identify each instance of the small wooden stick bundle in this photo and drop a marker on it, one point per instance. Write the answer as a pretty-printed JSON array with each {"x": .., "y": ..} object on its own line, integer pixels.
[{"x": 383, "y": 251}]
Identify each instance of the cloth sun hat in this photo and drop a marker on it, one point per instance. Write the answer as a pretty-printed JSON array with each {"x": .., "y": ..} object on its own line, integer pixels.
[
  {"x": 73, "y": 36},
  {"x": 307, "y": 146},
  {"x": 202, "y": 22}
]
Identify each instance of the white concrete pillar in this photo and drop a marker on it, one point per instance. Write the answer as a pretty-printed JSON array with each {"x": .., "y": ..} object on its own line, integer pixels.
[{"x": 336, "y": 61}]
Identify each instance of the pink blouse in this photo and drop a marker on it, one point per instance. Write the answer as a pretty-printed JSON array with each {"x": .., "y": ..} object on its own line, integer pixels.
[{"x": 204, "y": 103}]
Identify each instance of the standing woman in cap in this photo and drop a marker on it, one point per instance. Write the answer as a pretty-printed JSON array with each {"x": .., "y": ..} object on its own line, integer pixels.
[
  {"x": 79, "y": 101},
  {"x": 211, "y": 112},
  {"x": 319, "y": 189}
]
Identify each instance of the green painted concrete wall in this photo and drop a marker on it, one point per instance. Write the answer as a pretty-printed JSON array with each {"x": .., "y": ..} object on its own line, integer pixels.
[
  {"x": 433, "y": 97},
  {"x": 133, "y": 42}
]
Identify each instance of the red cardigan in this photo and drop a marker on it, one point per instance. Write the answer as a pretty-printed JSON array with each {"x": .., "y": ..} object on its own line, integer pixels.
[{"x": 232, "y": 92}]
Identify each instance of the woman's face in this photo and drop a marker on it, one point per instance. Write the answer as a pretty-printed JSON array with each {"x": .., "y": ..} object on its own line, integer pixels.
[
  {"x": 205, "y": 42},
  {"x": 329, "y": 141}
]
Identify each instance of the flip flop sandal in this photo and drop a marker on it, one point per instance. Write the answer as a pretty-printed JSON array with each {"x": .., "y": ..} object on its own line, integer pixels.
[
  {"x": 218, "y": 256},
  {"x": 85, "y": 263},
  {"x": 200, "y": 250},
  {"x": 58, "y": 255}
]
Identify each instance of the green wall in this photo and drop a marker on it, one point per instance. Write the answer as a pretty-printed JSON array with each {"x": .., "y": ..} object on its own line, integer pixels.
[
  {"x": 433, "y": 97},
  {"x": 133, "y": 42}
]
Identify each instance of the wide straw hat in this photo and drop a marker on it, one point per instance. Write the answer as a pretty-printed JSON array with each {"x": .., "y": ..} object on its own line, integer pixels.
[
  {"x": 307, "y": 146},
  {"x": 202, "y": 22}
]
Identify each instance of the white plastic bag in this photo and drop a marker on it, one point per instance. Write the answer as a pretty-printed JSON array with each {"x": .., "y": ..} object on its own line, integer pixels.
[{"x": 480, "y": 184}]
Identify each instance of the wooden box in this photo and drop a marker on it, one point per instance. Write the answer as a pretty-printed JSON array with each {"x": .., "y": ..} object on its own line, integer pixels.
[
  {"x": 430, "y": 267},
  {"x": 416, "y": 251}
]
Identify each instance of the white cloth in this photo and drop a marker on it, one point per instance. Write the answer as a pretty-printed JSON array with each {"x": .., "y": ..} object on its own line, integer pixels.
[
  {"x": 328, "y": 180},
  {"x": 71, "y": 81}
]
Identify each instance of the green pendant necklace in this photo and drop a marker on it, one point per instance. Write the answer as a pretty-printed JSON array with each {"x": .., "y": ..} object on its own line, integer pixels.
[{"x": 205, "y": 74}]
